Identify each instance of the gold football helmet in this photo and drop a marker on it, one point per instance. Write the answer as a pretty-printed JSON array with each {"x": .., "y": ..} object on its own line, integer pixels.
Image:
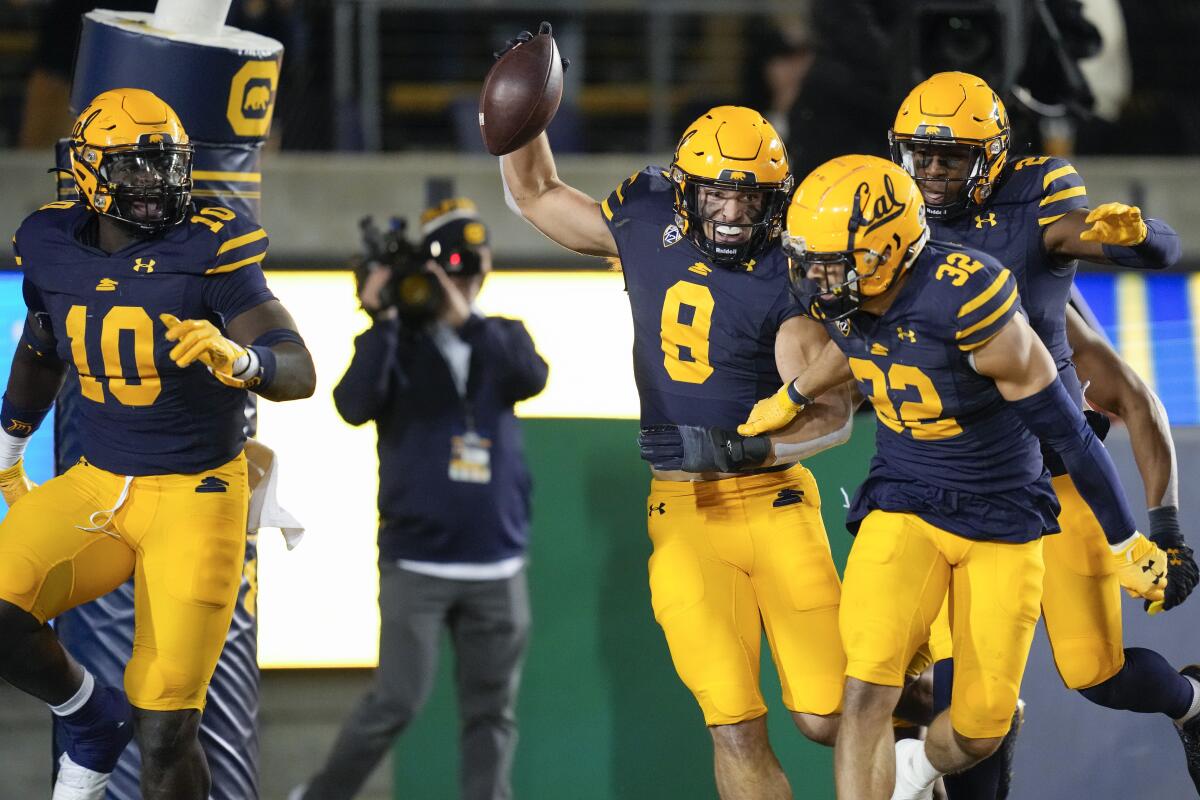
[
  {"x": 132, "y": 160},
  {"x": 952, "y": 110},
  {"x": 731, "y": 179},
  {"x": 854, "y": 226}
]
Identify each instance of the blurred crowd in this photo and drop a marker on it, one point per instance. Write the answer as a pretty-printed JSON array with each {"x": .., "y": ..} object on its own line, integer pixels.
[{"x": 1103, "y": 77}]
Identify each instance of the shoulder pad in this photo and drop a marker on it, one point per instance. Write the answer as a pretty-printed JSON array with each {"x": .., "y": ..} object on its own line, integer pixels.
[
  {"x": 978, "y": 291},
  {"x": 224, "y": 241},
  {"x": 640, "y": 195},
  {"x": 49, "y": 227},
  {"x": 1053, "y": 183}
]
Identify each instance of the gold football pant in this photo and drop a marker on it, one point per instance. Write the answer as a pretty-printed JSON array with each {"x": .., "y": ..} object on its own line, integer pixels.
[
  {"x": 734, "y": 557},
  {"x": 1081, "y": 598},
  {"x": 182, "y": 537},
  {"x": 898, "y": 574}
]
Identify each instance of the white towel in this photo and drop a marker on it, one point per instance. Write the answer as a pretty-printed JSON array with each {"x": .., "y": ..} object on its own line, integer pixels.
[{"x": 265, "y": 511}]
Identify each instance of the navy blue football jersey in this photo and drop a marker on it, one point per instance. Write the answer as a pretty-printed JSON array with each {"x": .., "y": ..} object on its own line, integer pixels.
[
  {"x": 140, "y": 414},
  {"x": 1031, "y": 194},
  {"x": 704, "y": 335},
  {"x": 948, "y": 447}
]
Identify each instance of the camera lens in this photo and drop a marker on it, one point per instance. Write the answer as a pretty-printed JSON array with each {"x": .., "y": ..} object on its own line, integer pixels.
[{"x": 960, "y": 39}]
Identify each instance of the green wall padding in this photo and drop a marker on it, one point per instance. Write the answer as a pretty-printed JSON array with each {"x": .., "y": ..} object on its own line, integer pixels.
[{"x": 602, "y": 713}]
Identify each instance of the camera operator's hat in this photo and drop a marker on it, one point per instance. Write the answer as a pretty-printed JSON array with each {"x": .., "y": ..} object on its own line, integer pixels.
[{"x": 452, "y": 234}]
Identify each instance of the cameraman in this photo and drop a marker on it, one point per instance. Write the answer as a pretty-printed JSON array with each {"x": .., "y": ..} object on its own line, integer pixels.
[{"x": 453, "y": 501}]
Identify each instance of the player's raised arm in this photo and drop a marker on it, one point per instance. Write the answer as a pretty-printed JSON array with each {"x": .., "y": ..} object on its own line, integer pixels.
[
  {"x": 1111, "y": 233},
  {"x": 1026, "y": 377},
  {"x": 1115, "y": 387},
  {"x": 561, "y": 212}
]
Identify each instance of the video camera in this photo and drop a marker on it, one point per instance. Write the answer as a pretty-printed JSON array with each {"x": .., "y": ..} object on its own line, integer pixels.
[{"x": 412, "y": 290}]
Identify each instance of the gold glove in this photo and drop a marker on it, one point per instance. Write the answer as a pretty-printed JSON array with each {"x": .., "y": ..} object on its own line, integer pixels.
[
  {"x": 14, "y": 483},
  {"x": 774, "y": 412},
  {"x": 200, "y": 340},
  {"x": 1142, "y": 568},
  {"x": 1115, "y": 223}
]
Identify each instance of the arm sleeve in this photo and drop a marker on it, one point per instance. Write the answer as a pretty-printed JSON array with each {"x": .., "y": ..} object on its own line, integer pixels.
[
  {"x": 1161, "y": 248},
  {"x": 992, "y": 299},
  {"x": 1062, "y": 191},
  {"x": 232, "y": 293},
  {"x": 367, "y": 386},
  {"x": 509, "y": 349},
  {"x": 1054, "y": 419}
]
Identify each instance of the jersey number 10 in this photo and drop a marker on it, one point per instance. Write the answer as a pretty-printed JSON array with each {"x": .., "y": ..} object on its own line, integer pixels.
[{"x": 118, "y": 320}]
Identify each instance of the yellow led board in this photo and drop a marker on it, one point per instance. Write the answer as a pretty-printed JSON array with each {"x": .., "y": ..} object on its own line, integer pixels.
[{"x": 318, "y": 603}]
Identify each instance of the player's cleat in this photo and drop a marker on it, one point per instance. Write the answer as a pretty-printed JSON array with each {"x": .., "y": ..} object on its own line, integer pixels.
[
  {"x": 94, "y": 744},
  {"x": 1189, "y": 733},
  {"x": 907, "y": 786},
  {"x": 1008, "y": 751}
]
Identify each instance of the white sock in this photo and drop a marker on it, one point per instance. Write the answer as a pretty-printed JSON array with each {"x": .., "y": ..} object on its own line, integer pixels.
[
  {"x": 78, "y": 699},
  {"x": 11, "y": 448},
  {"x": 1195, "y": 707},
  {"x": 923, "y": 771}
]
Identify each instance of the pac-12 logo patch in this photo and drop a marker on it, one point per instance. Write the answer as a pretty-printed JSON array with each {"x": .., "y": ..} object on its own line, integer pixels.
[
  {"x": 843, "y": 326},
  {"x": 671, "y": 235}
]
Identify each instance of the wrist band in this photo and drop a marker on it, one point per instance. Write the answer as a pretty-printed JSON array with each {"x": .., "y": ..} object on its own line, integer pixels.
[
  {"x": 794, "y": 395},
  {"x": 266, "y": 368}
]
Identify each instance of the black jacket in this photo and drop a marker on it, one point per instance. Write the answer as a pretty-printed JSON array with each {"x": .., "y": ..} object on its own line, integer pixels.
[{"x": 399, "y": 379}]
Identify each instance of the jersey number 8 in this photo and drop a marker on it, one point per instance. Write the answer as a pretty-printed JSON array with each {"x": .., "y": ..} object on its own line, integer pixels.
[{"x": 685, "y": 344}]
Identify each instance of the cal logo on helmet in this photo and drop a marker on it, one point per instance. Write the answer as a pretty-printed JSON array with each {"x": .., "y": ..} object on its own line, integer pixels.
[{"x": 854, "y": 225}]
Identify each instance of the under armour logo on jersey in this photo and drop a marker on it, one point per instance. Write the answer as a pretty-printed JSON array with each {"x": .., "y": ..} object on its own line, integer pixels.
[
  {"x": 671, "y": 235},
  {"x": 106, "y": 285},
  {"x": 144, "y": 264},
  {"x": 700, "y": 268},
  {"x": 788, "y": 497},
  {"x": 661, "y": 508},
  {"x": 990, "y": 219},
  {"x": 905, "y": 335},
  {"x": 212, "y": 484}
]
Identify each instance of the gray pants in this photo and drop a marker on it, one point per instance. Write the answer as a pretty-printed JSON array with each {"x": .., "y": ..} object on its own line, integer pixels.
[{"x": 489, "y": 627}]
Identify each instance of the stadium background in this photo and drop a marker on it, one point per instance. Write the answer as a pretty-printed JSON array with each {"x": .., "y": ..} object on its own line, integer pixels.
[{"x": 602, "y": 714}]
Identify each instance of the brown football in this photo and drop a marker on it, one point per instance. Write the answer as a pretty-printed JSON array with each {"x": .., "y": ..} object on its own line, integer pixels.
[{"x": 520, "y": 95}]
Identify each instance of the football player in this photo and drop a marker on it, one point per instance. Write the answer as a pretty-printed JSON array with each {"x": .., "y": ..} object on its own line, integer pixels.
[
  {"x": 698, "y": 244},
  {"x": 957, "y": 499},
  {"x": 952, "y": 135},
  {"x": 158, "y": 306}
]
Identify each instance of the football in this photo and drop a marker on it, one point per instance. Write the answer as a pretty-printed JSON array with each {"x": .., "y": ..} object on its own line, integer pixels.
[{"x": 520, "y": 95}]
